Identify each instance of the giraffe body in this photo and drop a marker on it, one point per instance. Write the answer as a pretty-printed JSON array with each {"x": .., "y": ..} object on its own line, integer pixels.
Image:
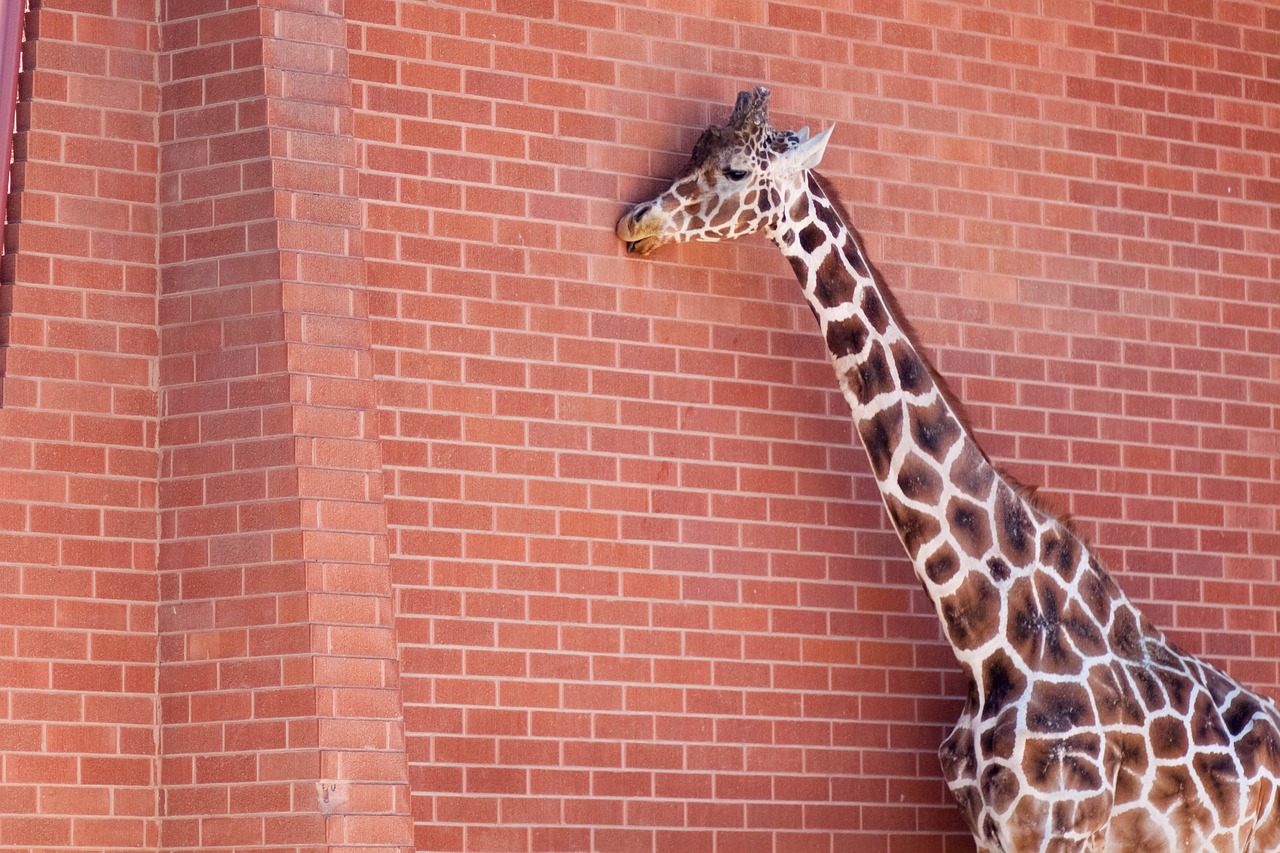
[{"x": 1084, "y": 728}]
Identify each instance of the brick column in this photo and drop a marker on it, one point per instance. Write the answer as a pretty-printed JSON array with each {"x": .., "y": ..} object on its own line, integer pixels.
[{"x": 281, "y": 721}]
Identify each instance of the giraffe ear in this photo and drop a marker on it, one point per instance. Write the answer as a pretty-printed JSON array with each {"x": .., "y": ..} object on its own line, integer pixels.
[{"x": 807, "y": 154}]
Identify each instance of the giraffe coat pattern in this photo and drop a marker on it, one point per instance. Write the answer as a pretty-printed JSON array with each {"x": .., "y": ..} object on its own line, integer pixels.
[{"x": 1084, "y": 729}]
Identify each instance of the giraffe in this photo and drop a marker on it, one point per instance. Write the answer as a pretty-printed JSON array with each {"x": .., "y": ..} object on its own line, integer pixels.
[{"x": 1084, "y": 728}]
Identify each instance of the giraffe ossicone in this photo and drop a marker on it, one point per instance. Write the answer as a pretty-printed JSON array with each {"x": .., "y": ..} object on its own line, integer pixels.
[{"x": 1084, "y": 728}]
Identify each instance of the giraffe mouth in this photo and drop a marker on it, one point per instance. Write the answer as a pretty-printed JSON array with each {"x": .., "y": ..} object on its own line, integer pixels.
[{"x": 643, "y": 246}]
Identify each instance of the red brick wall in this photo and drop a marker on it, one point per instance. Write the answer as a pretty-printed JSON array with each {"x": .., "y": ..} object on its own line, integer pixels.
[
  {"x": 326, "y": 372},
  {"x": 78, "y": 438}
]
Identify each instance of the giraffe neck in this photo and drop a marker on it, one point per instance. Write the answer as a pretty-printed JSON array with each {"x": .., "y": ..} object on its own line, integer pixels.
[{"x": 964, "y": 527}]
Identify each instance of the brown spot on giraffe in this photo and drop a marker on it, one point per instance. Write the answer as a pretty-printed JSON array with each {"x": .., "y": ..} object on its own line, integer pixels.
[
  {"x": 913, "y": 374},
  {"x": 1059, "y": 707},
  {"x": 1015, "y": 531},
  {"x": 969, "y": 526},
  {"x": 1035, "y": 629},
  {"x": 1063, "y": 762},
  {"x": 969, "y": 614},
  {"x": 873, "y": 309},
  {"x": 914, "y": 527},
  {"x": 1127, "y": 763},
  {"x": 1003, "y": 683},
  {"x": 846, "y": 337},
  {"x": 942, "y": 565},
  {"x": 880, "y": 435},
  {"x": 873, "y": 377},
  {"x": 971, "y": 473},
  {"x": 918, "y": 480},
  {"x": 934, "y": 428}
]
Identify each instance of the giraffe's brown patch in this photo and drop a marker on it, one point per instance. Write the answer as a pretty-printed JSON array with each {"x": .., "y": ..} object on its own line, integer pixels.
[
  {"x": 1124, "y": 638},
  {"x": 1084, "y": 633},
  {"x": 969, "y": 526},
  {"x": 880, "y": 435},
  {"x": 1158, "y": 651},
  {"x": 1077, "y": 817},
  {"x": 846, "y": 337},
  {"x": 1126, "y": 763},
  {"x": 801, "y": 268},
  {"x": 1058, "y": 707},
  {"x": 991, "y": 830},
  {"x": 1115, "y": 702},
  {"x": 919, "y": 480},
  {"x": 1177, "y": 688},
  {"x": 799, "y": 211},
  {"x": 1027, "y": 827},
  {"x": 1002, "y": 683},
  {"x": 934, "y": 428},
  {"x": 971, "y": 472},
  {"x": 829, "y": 215},
  {"x": 1036, "y": 631},
  {"x": 1174, "y": 793},
  {"x": 832, "y": 284},
  {"x": 971, "y": 614},
  {"x": 1218, "y": 685},
  {"x": 1266, "y": 831},
  {"x": 874, "y": 376},
  {"x": 1217, "y": 773},
  {"x": 1000, "y": 739},
  {"x": 1168, "y": 736},
  {"x": 711, "y": 140},
  {"x": 723, "y": 215},
  {"x": 1000, "y": 786},
  {"x": 1205, "y": 725},
  {"x": 969, "y": 801},
  {"x": 999, "y": 569},
  {"x": 1098, "y": 592},
  {"x": 1060, "y": 551},
  {"x": 873, "y": 309},
  {"x": 942, "y": 564},
  {"x": 1015, "y": 531},
  {"x": 1146, "y": 686},
  {"x": 914, "y": 527},
  {"x": 1069, "y": 763},
  {"x": 1259, "y": 745},
  {"x": 1133, "y": 831},
  {"x": 1240, "y": 712},
  {"x": 853, "y": 256},
  {"x": 956, "y": 751},
  {"x": 913, "y": 373},
  {"x": 811, "y": 237}
]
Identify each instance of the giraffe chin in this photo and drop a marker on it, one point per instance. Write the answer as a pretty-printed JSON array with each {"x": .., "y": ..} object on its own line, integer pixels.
[{"x": 643, "y": 246}]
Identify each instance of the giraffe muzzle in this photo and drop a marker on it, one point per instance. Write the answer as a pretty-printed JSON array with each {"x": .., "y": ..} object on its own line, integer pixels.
[{"x": 641, "y": 236}]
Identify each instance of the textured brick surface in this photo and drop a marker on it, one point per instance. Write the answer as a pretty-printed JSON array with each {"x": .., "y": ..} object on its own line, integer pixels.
[
  {"x": 78, "y": 440},
  {"x": 340, "y": 440}
]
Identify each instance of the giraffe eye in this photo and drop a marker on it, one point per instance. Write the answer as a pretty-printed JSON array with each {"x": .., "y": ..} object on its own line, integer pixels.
[{"x": 735, "y": 174}]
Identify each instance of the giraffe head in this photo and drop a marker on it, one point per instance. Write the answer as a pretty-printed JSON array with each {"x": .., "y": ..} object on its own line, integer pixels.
[{"x": 735, "y": 182}]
